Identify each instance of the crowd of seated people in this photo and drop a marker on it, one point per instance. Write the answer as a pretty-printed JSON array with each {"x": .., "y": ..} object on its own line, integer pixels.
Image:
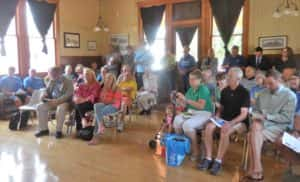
[{"x": 252, "y": 96}]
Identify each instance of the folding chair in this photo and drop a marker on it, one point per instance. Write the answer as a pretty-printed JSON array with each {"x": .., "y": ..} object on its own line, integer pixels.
[{"x": 33, "y": 103}]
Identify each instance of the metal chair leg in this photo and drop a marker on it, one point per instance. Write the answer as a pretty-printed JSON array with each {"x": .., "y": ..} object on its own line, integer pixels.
[{"x": 245, "y": 154}]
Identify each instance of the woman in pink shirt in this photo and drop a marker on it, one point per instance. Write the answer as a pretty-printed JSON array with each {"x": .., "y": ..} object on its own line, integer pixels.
[
  {"x": 110, "y": 98},
  {"x": 86, "y": 94}
]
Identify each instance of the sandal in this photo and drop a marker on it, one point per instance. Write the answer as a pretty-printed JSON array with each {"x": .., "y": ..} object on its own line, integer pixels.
[{"x": 256, "y": 179}]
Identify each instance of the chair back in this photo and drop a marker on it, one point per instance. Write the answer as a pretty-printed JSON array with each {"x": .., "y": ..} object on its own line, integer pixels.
[{"x": 36, "y": 97}]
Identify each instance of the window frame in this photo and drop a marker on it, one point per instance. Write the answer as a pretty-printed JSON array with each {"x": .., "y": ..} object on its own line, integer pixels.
[{"x": 23, "y": 39}]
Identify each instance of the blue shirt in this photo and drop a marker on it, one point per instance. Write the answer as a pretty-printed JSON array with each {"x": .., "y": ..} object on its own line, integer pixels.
[
  {"x": 142, "y": 58},
  {"x": 255, "y": 91},
  {"x": 187, "y": 62},
  {"x": 34, "y": 83},
  {"x": 237, "y": 61},
  {"x": 298, "y": 101},
  {"x": 10, "y": 83}
]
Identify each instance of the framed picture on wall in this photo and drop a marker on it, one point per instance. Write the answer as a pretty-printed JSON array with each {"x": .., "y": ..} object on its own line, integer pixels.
[
  {"x": 92, "y": 45},
  {"x": 71, "y": 40},
  {"x": 121, "y": 41},
  {"x": 273, "y": 42}
]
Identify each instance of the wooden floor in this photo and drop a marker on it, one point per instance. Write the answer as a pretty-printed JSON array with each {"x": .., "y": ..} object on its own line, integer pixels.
[{"x": 120, "y": 157}]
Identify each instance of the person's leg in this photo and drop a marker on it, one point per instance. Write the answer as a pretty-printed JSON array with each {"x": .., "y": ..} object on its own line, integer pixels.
[
  {"x": 208, "y": 139},
  {"x": 141, "y": 102},
  {"x": 206, "y": 162},
  {"x": 98, "y": 116},
  {"x": 191, "y": 125},
  {"x": 257, "y": 140},
  {"x": 60, "y": 116},
  {"x": 82, "y": 109},
  {"x": 42, "y": 116},
  {"x": 77, "y": 119},
  {"x": 250, "y": 157},
  {"x": 177, "y": 124},
  {"x": 139, "y": 79},
  {"x": 224, "y": 140}
]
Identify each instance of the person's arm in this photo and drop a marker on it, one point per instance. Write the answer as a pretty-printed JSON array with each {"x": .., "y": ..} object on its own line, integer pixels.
[
  {"x": 27, "y": 86},
  {"x": 286, "y": 113},
  {"x": 200, "y": 104},
  {"x": 94, "y": 93},
  {"x": 68, "y": 93},
  {"x": 241, "y": 117}
]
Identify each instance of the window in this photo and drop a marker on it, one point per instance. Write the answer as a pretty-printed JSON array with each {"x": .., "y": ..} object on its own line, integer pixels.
[
  {"x": 236, "y": 39},
  {"x": 158, "y": 48},
  {"x": 193, "y": 47},
  {"x": 38, "y": 59},
  {"x": 30, "y": 40},
  {"x": 11, "y": 47}
]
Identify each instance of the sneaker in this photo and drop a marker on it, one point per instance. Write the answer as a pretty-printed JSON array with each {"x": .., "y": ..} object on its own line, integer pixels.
[
  {"x": 120, "y": 126},
  {"x": 42, "y": 133},
  {"x": 58, "y": 135},
  {"x": 148, "y": 112},
  {"x": 142, "y": 112},
  {"x": 204, "y": 165},
  {"x": 216, "y": 168}
]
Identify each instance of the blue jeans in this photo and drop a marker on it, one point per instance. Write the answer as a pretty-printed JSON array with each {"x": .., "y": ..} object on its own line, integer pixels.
[{"x": 102, "y": 110}]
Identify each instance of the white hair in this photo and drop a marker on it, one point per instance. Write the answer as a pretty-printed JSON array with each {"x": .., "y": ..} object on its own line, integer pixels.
[{"x": 237, "y": 71}]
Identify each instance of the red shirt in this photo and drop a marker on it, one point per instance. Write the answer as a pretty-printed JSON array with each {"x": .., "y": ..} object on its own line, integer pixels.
[
  {"x": 91, "y": 92},
  {"x": 113, "y": 97}
]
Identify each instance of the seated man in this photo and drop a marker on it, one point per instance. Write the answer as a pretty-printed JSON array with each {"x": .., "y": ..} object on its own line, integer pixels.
[
  {"x": 11, "y": 83},
  {"x": 259, "y": 60},
  {"x": 234, "y": 59},
  {"x": 249, "y": 81},
  {"x": 146, "y": 97},
  {"x": 58, "y": 95},
  {"x": 32, "y": 82},
  {"x": 233, "y": 109},
  {"x": 273, "y": 112},
  {"x": 197, "y": 101}
]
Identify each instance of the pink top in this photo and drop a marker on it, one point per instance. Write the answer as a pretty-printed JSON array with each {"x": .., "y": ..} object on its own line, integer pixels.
[
  {"x": 91, "y": 92},
  {"x": 169, "y": 120},
  {"x": 109, "y": 96}
]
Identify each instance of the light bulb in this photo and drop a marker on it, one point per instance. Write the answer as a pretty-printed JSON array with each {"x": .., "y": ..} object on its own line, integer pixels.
[
  {"x": 276, "y": 14},
  {"x": 97, "y": 29},
  {"x": 296, "y": 12},
  {"x": 287, "y": 11},
  {"x": 106, "y": 29}
]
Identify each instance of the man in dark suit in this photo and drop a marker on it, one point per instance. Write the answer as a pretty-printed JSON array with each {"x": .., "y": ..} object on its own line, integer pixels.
[{"x": 259, "y": 61}]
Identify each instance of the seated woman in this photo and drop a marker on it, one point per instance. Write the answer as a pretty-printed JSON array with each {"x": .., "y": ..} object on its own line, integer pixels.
[
  {"x": 286, "y": 60},
  {"x": 197, "y": 101},
  {"x": 146, "y": 97},
  {"x": 110, "y": 102},
  {"x": 86, "y": 94},
  {"x": 128, "y": 87}
]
